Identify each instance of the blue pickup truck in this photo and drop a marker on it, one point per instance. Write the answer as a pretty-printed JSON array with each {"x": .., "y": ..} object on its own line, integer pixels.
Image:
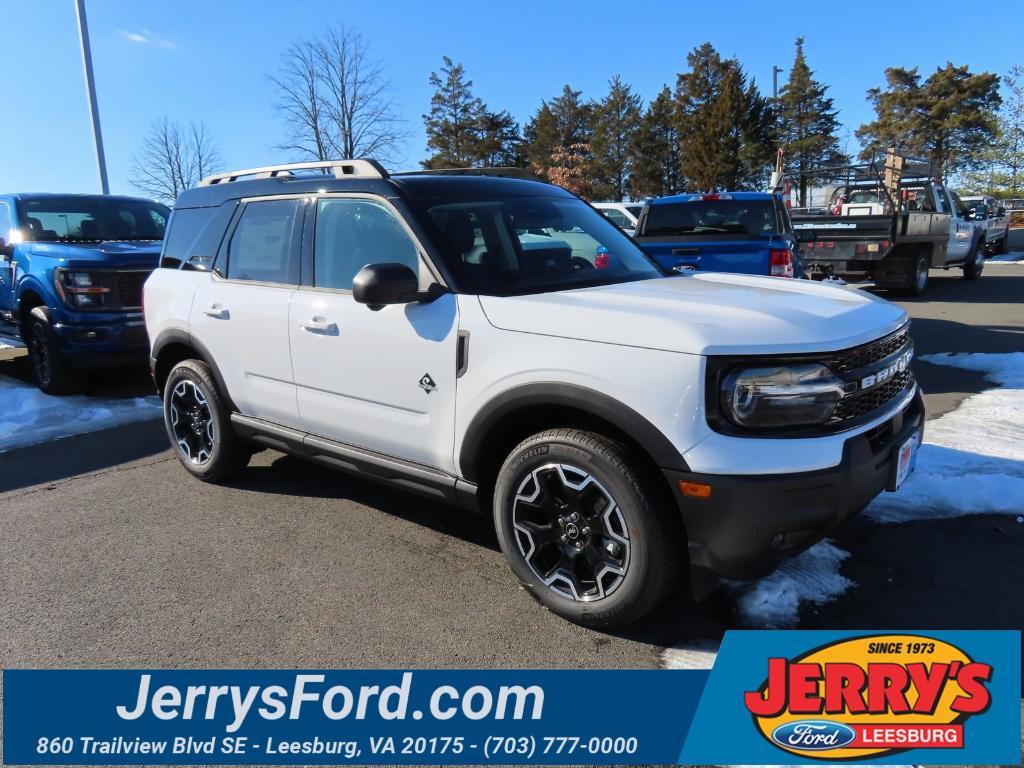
[
  {"x": 746, "y": 232},
  {"x": 71, "y": 275}
]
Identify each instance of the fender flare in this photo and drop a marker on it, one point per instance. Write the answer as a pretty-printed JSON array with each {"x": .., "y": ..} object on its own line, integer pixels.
[
  {"x": 622, "y": 417},
  {"x": 178, "y": 336}
]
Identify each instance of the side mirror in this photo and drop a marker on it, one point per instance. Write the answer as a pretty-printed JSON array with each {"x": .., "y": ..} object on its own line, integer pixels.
[
  {"x": 377, "y": 285},
  {"x": 1000, "y": 211}
]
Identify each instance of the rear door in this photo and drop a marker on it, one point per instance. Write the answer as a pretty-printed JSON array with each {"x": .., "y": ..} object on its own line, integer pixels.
[{"x": 240, "y": 314}]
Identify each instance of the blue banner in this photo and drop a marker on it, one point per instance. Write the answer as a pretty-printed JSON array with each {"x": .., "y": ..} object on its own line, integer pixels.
[
  {"x": 779, "y": 697},
  {"x": 116, "y": 717}
]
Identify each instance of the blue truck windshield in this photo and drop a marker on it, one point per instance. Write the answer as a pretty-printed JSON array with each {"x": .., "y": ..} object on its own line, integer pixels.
[
  {"x": 91, "y": 218},
  {"x": 711, "y": 217}
]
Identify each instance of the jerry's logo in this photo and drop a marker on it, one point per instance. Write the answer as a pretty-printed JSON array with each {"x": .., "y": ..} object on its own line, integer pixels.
[{"x": 869, "y": 697}]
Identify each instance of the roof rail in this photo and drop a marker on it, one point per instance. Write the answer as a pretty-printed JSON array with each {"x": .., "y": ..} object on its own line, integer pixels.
[
  {"x": 506, "y": 171},
  {"x": 342, "y": 169}
]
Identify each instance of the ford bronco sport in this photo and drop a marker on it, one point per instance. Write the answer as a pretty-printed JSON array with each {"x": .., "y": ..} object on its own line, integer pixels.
[{"x": 497, "y": 343}]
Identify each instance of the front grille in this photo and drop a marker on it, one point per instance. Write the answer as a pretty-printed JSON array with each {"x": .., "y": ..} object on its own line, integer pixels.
[
  {"x": 867, "y": 354},
  {"x": 125, "y": 288},
  {"x": 860, "y": 404}
]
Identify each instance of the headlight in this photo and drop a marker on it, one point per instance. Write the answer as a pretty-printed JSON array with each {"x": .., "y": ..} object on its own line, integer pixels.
[
  {"x": 780, "y": 396},
  {"x": 80, "y": 289}
]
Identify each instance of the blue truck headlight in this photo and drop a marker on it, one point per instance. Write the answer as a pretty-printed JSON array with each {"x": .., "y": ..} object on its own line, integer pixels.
[
  {"x": 780, "y": 396},
  {"x": 80, "y": 289}
]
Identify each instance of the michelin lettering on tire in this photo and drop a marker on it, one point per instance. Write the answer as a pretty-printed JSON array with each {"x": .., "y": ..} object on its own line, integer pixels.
[{"x": 870, "y": 697}]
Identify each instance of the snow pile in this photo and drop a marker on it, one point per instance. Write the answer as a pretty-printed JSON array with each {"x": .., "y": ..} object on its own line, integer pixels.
[
  {"x": 972, "y": 460},
  {"x": 1013, "y": 257},
  {"x": 28, "y": 416},
  {"x": 812, "y": 576}
]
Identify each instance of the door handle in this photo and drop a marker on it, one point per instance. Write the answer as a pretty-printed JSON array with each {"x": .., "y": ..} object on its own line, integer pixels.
[
  {"x": 218, "y": 311},
  {"x": 319, "y": 325}
]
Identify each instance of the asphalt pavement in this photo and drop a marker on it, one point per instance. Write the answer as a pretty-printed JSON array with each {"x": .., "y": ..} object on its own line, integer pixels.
[{"x": 114, "y": 556}]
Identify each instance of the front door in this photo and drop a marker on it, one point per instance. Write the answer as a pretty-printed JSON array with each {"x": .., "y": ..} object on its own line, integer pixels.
[
  {"x": 961, "y": 230},
  {"x": 382, "y": 380},
  {"x": 240, "y": 314}
]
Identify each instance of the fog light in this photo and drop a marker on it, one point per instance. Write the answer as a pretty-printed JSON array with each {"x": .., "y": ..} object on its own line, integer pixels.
[{"x": 695, "y": 490}]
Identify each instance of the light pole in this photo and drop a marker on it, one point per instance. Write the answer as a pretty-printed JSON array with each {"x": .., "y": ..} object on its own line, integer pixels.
[
  {"x": 776, "y": 71},
  {"x": 90, "y": 87}
]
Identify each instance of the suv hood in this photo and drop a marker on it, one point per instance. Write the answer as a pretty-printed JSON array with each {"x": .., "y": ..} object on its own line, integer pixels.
[
  {"x": 113, "y": 253},
  {"x": 705, "y": 314}
]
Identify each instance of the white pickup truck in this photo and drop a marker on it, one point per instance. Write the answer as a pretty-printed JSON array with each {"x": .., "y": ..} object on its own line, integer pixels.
[{"x": 987, "y": 209}]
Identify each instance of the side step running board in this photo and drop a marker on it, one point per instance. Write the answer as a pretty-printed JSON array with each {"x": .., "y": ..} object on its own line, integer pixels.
[{"x": 418, "y": 478}]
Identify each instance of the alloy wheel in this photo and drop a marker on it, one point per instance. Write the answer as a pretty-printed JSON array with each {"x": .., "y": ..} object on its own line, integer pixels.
[
  {"x": 571, "y": 532},
  {"x": 191, "y": 422}
]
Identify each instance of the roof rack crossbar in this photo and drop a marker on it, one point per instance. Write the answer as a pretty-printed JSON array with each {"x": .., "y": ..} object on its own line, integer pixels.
[
  {"x": 510, "y": 172},
  {"x": 341, "y": 169}
]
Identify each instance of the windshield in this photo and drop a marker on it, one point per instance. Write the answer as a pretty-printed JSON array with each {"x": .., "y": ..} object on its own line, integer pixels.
[
  {"x": 711, "y": 217},
  {"x": 520, "y": 245},
  {"x": 92, "y": 219}
]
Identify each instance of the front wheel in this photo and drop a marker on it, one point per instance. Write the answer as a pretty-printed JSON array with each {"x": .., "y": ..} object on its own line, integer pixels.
[
  {"x": 52, "y": 372},
  {"x": 198, "y": 423},
  {"x": 585, "y": 534},
  {"x": 975, "y": 263}
]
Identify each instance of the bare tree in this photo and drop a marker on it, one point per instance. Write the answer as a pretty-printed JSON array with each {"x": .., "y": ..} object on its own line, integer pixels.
[
  {"x": 172, "y": 159},
  {"x": 337, "y": 100}
]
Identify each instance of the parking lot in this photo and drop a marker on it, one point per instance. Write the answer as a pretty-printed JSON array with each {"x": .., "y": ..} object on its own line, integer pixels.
[{"x": 114, "y": 556}]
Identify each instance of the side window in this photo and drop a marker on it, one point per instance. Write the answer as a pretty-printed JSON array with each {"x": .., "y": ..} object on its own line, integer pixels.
[
  {"x": 352, "y": 233},
  {"x": 615, "y": 217},
  {"x": 941, "y": 206},
  {"x": 958, "y": 204},
  {"x": 5, "y": 222},
  {"x": 185, "y": 226},
  {"x": 262, "y": 247}
]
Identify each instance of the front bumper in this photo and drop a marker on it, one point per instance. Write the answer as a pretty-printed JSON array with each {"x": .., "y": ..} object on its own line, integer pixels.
[
  {"x": 750, "y": 523},
  {"x": 97, "y": 340}
]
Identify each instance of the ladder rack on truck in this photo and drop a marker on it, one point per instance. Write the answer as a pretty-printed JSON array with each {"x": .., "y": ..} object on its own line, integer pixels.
[{"x": 886, "y": 221}]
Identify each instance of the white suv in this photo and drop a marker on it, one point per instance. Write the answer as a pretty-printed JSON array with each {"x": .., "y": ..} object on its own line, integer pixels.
[{"x": 497, "y": 343}]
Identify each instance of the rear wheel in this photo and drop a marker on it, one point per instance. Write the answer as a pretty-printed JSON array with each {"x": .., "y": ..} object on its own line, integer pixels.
[
  {"x": 585, "y": 534},
  {"x": 198, "y": 423},
  {"x": 52, "y": 372},
  {"x": 917, "y": 276},
  {"x": 975, "y": 263}
]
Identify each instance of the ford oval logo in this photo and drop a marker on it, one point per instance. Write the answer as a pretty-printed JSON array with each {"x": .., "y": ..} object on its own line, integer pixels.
[{"x": 813, "y": 734}]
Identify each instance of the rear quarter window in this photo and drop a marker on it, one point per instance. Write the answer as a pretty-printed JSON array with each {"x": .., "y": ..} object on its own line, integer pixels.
[{"x": 194, "y": 235}]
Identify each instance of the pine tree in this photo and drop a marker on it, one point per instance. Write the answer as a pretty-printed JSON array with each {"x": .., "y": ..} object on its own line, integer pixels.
[
  {"x": 453, "y": 124},
  {"x": 500, "y": 141},
  {"x": 950, "y": 118},
  {"x": 656, "y": 150},
  {"x": 1011, "y": 125},
  {"x": 725, "y": 126},
  {"x": 616, "y": 119},
  {"x": 559, "y": 124},
  {"x": 808, "y": 122}
]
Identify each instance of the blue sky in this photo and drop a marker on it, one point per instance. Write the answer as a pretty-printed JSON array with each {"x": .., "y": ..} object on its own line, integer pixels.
[{"x": 209, "y": 61}]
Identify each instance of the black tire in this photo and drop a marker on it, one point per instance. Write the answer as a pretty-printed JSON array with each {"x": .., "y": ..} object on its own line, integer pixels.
[
  {"x": 198, "y": 422},
  {"x": 1004, "y": 244},
  {"x": 51, "y": 371},
  {"x": 916, "y": 280},
  {"x": 624, "y": 567},
  {"x": 975, "y": 263}
]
